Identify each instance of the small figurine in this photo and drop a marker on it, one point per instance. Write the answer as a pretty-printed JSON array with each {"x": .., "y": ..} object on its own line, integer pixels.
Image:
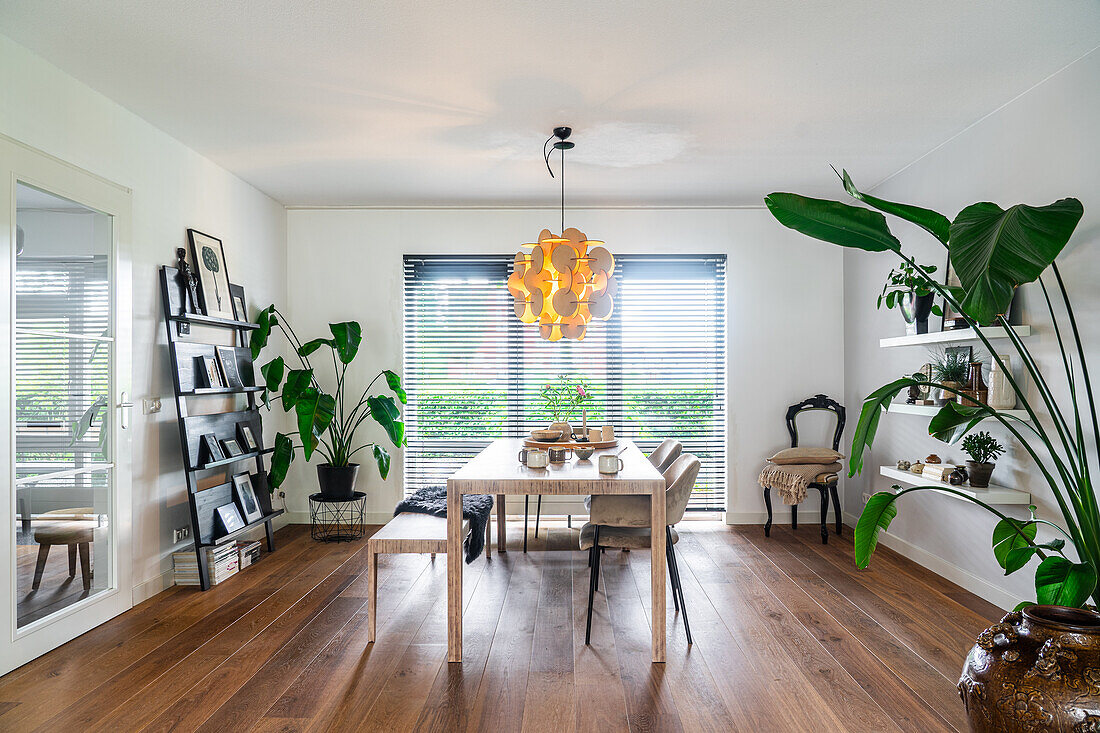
[
  {"x": 932, "y": 459},
  {"x": 917, "y": 468},
  {"x": 190, "y": 280},
  {"x": 904, "y": 465},
  {"x": 959, "y": 476},
  {"x": 914, "y": 394}
]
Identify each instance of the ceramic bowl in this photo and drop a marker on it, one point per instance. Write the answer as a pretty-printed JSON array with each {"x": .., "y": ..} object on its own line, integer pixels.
[
  {"x": 584, "y": 453},
  {"x": 546, "y": 436}
]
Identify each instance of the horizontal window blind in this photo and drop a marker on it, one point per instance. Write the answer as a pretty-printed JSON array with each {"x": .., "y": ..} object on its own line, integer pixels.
[{"x": 474, "y": 372}]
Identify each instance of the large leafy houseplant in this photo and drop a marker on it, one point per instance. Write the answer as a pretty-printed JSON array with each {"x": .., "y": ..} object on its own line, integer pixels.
[
  {"x": 324, "y": 423},
  {"x": 993, "y": 252}
]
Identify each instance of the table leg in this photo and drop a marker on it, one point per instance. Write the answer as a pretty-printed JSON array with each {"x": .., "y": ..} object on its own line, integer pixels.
[
  {"x": 454, "y": 574},
  {"x": 502, "y": 532},
  {"x": 657, "y": 571}
]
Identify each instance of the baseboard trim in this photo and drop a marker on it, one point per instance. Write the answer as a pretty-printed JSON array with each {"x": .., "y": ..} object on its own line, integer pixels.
[
  {"x": 963, "y": 578},
  {"x": 805, "y": 516},
  {"x": 144, "y": 591}
]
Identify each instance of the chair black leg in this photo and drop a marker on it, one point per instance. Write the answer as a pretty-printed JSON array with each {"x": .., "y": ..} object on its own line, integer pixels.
[
  {"x": 599, "y": 557},
  {"x": 824, "y": 515},
  {"x": 526, "y": 503},
  {"x": 768, "y": 504},
  {"x": 836, "y": 508},
  {"x": 538, "y": 513},
  {"x": 592, "y": 575},
  {"x": 678, "y": 587},
  {"x": 672, "y": 577},
  {"x": 794, "y": 516}
]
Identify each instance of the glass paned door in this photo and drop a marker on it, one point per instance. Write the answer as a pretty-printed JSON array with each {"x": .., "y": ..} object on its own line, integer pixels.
[{"x": 64, "y": 347}]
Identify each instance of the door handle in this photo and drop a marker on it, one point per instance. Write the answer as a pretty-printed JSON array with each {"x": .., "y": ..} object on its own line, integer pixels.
[{"x": 125, "y": 406}]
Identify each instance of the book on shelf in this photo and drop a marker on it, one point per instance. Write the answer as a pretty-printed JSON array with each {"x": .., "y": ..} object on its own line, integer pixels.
[{"x": 937, "y": 471}]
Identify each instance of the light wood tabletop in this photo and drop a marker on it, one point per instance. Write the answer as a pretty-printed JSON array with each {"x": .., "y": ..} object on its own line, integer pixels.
[{"x": 497, "y": 470}]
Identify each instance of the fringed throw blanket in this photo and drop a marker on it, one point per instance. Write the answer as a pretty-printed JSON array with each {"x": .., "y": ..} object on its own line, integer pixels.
[
  {"x": 792, "y": 479},
  {"x": 433, "y": 501}
]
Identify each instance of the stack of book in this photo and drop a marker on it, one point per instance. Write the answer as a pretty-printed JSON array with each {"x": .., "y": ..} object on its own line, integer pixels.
[
  {"x": 249, "y": 552},
  {"x": 937, "y": 471},
  {"x": 222, "y": 562}
]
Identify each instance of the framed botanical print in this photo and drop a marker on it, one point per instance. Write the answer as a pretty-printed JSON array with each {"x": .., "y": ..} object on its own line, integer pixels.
[{"x": 209, "y": 259}]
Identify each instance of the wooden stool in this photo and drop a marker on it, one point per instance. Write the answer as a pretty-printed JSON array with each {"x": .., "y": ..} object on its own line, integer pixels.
[
  {"x": 78, "y": 534},
  {"x": 405, "y": 533}
]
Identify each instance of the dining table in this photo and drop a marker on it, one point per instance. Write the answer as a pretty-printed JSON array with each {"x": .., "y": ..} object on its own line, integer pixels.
[{"x": 497, "y": 471}]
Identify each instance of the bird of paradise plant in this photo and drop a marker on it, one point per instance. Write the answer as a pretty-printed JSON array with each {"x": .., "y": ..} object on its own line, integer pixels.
[{"x": 993, "y": 251}]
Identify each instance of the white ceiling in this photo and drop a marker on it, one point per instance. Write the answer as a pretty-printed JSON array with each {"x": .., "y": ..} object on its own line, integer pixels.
[{"x": 433, "y": 102}]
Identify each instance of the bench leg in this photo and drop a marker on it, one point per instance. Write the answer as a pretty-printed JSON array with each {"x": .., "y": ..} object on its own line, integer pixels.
[
  {"x": 85, "y": 565},
  {"x": 372, "y": 592},
  {"x": 40, "y": 566},
  {"x": 502, "y": 530},
  {"x": 72, "y": 560},
  {"x": 489, "y": 538}
]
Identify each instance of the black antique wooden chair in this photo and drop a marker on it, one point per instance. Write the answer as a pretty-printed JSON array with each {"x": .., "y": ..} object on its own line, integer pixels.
[{"x": 825, "y": 482}]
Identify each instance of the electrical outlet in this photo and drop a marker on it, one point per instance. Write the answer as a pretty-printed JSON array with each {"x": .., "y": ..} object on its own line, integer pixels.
[
  {"x": 180, "y": 534},
  {"x": 149, "y": 405}
]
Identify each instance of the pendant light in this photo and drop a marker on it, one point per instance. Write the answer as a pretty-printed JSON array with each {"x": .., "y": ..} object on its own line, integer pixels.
[{"x": 562, "y": 281}]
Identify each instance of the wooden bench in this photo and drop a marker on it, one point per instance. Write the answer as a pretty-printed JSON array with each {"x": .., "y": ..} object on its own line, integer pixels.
[{"x": 406, "y": 533}]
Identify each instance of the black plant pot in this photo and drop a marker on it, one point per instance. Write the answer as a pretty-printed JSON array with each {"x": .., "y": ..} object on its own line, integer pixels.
[
  {"x": 980, "y": 473},
  {"x": 337, "y": 482}
]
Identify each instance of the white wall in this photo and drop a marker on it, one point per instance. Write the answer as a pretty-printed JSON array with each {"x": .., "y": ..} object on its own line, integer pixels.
[
  {"x": 1041, "y": 147},
  {"x": 173, "y": 188},
  {"x": 785, "y": 332}
]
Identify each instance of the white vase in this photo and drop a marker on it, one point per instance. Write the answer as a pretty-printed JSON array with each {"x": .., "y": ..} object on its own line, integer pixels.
[{"x": 1001, "y": 394}]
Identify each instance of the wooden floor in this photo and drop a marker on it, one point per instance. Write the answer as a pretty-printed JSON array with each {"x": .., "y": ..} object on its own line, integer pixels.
[{"x": 788, "y": 637}]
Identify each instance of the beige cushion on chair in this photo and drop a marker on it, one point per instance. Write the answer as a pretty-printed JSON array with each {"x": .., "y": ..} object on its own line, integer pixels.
[
  {"x": 633, "y": 510},
  {"x": 803, "y": 455},
  {"x": 633, "y": 538},
  {"x": 667, "y": 452},
  {"x": 67, "y": 526},
  {"x": 826, "y": 478}
]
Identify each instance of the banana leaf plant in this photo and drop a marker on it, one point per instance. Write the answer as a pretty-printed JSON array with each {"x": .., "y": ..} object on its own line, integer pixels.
[
  {"x": 325, "y": 424},
  {"x": 993, "y": 251}
]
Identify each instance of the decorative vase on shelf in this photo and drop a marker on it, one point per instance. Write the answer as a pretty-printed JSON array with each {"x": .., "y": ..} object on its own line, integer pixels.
[
  {"x": 1037, "y": 670},
  {"x": 916, "y": 309},
  {"x": 1001, "y": 394},
  {"x": 565, "y": 428},
  {"x": 975, "y": 388}
]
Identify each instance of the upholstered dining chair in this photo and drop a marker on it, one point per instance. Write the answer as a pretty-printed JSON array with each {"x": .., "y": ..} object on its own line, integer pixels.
[
  {"x": 825, "y": 482},
  {"x": 661, "y": 458},
  {"x": 667, "y": 452},
  {"x": 623, "y": 521}
]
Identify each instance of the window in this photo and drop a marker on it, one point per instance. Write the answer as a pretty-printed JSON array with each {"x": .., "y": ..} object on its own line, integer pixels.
[{"x": 473, "y": 371}]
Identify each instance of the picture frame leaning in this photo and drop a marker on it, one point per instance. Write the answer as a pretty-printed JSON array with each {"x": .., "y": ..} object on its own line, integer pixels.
[{"x": 209, "y": 257}]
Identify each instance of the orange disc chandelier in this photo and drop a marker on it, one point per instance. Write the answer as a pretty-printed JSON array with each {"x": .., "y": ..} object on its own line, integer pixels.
[{"x": 561, "y": 282}]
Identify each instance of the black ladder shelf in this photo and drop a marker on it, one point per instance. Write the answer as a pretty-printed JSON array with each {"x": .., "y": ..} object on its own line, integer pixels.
[{"x": 186, "y": 355}]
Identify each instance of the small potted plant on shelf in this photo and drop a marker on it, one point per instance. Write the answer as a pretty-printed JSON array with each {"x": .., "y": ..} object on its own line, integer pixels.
[
  {"x": 325, "y": 424},
  {"x": 983, "y": 449},
  {"x": 950, "y": 369},
  {"x": 912, "y": 293},
  {"x": 562, "y": 397}
]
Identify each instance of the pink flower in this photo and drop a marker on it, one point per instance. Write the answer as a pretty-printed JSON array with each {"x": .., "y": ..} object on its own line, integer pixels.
[{"x": 580, "y": 390}]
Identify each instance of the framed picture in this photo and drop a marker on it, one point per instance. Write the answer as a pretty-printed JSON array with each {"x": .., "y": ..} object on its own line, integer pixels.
[
  {"x": 209, "y": 259},
  {"x": 926, "y": 373},
  {"x": 213, "y": 450},
  {"x": 229, "y": 518},
  {"x": 966, "y": 351},
  {"x": 232, "y": 448},
  {"x": 211, "y": 373},
  {"x": 227, "y": 361},
  {"x": 245, "y": 496},
  {"x": 239, "y": 309},
  {"x": 247, "y": 440},
  {"x": 952, "y": 319}
]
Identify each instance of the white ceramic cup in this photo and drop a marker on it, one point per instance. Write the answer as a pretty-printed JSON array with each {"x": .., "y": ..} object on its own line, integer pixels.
[
  {"x": 537, "y": 459},
  {"x": 595, "y": 435},
  {"x": 607, "y": 432},
  {"x": 610, "y": 463}
]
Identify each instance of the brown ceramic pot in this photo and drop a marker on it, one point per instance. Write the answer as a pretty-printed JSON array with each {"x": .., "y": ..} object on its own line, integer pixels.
[{"x": 1037, "y": 670}]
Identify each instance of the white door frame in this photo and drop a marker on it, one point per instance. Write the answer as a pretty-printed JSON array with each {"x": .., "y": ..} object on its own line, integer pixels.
[{"x": 22, "y": 164}]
